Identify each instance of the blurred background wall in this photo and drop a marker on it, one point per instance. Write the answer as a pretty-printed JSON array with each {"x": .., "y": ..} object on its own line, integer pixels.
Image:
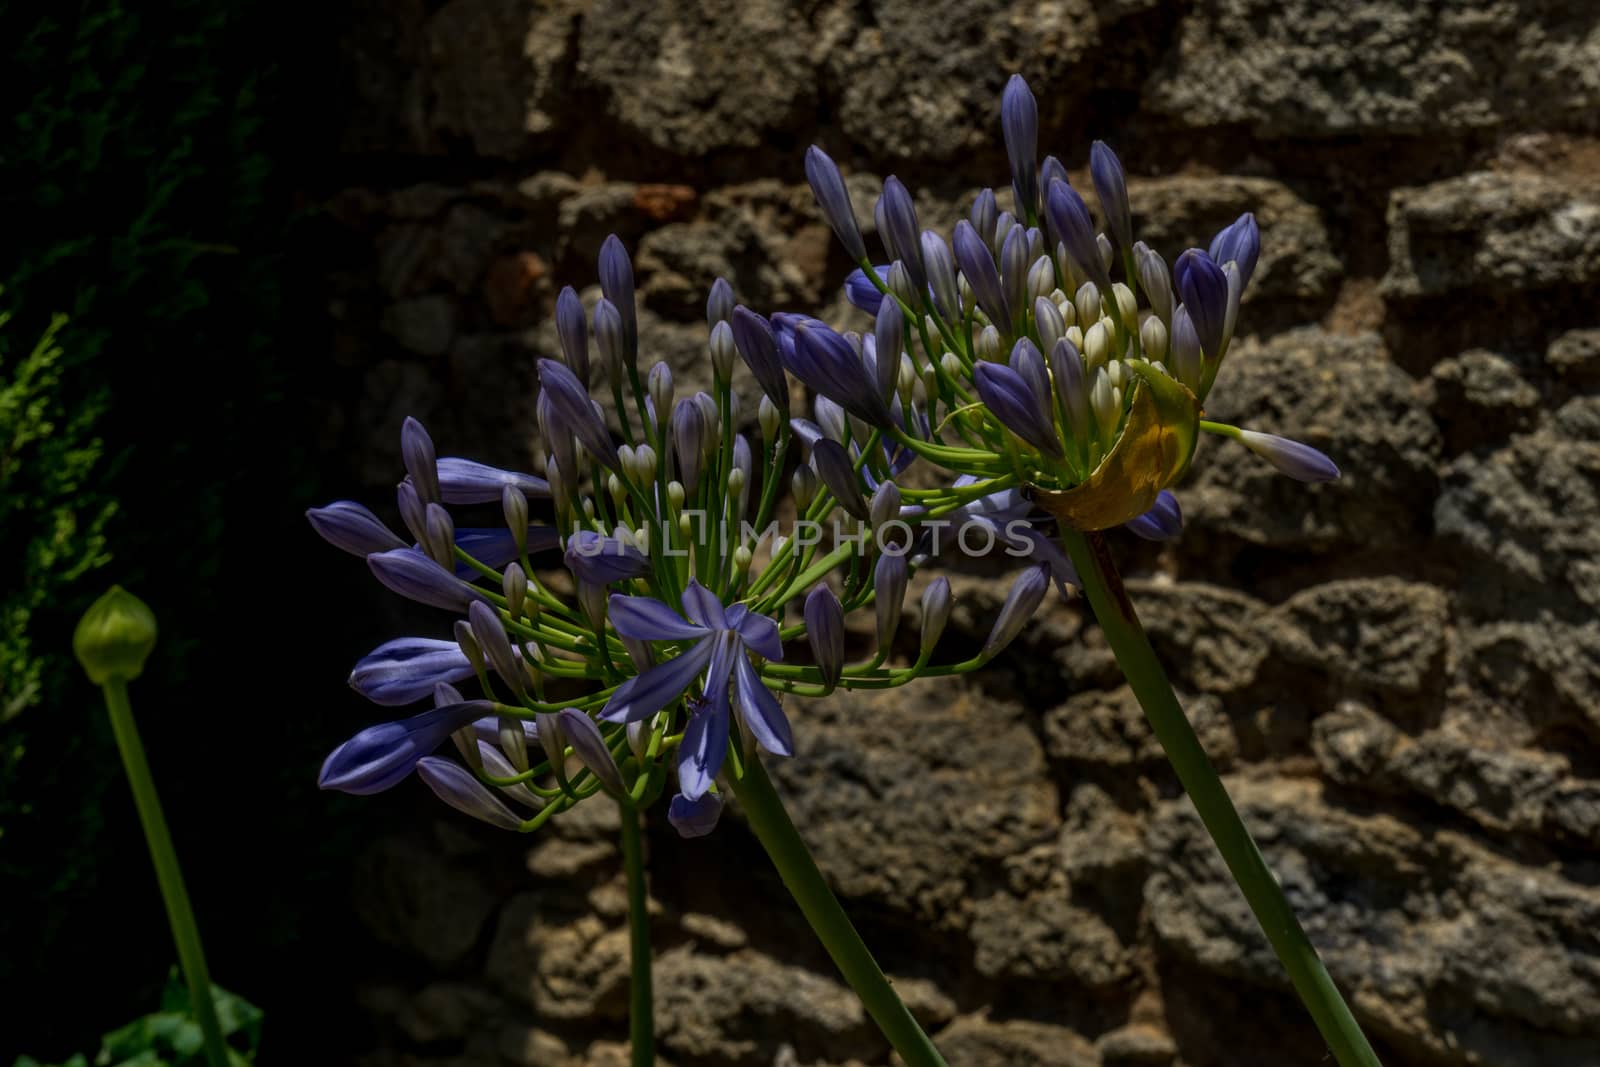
[{"x": 276, "y": 237}]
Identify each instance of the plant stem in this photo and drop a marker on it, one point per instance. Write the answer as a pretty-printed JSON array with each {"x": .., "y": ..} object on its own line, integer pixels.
[
  {"x": 184, "y": 931},
  {"x": 641, "y": 1018},
  {"x": 1118, "y": 621},
  {"x": 777, "y": 834}
]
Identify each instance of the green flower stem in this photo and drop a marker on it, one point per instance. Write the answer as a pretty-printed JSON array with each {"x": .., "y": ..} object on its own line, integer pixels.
[
  {"x": 777, "y": 834},
  {"x": 641, "y": 1019},
  {"x": 184, "y": 931},
  {"x": 1118, "y": 621}
]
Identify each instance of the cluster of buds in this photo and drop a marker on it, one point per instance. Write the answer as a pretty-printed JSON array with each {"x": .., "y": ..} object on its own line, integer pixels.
[
  {"x": 1039, "y": 351},
  {"x": 628, "y": 615}
]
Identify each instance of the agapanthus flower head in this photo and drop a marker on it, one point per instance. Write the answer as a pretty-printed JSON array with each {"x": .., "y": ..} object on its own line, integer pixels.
[{"x": 1064, "y": 360}]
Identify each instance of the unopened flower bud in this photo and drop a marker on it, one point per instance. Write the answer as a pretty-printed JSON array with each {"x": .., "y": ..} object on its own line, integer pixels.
[
  {"x": 514, "y": 742},
  {"x": 950, "y": 363},
  {"x": 468, "y": 643},
  {"x": 1127, "y": 306},
  {"x": 491, "y": 635},
  {"x": 659, "y": 385},
  {"x": 115, "y": 637},
  {"x": 609, "y": 340},
  {"x": 736, "y": 479},
  {"x": 1021, "y": 602},
  {"x": 515, "y": 507},
  {"x": 1087, "y": 304},
  {"x": 719, "y": 303},
  {"x": 825, "y": 631},
  {"x": 416, "y": 450},
  {"x": 1153, "y": 339},
  {"x": 936, "y": 604},
  {"x": 804, "y": 486},
  {"x": 889, "y": 580},
  {"x": 1048, "y": 322},
  {"x": 644, "y": 462},
  {"x": 440, "y": 543},
  {"x": 770, "y": 419},
  {"x": 1041, "y": 278},
  {"x": 885, "y": 504},
  {"x": 1107, "y": 251},
  {"x": 675, "y": 495},
  {"x": 515, "y": 585},
  {"x": 723, "y": 351},
  {"x": 742, "y": 559},
  {"x": 1299, "y": 461},
  {"x": 988, "y": 344},
  {"x": 1097, "y": 345}
]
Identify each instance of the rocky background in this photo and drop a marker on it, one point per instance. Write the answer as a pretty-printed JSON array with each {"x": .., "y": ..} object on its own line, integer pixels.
[{"x": 1399, "y": 672}]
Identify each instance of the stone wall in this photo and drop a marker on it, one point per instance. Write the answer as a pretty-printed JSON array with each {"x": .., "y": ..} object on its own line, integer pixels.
[{"x": 1399, "y": 672}]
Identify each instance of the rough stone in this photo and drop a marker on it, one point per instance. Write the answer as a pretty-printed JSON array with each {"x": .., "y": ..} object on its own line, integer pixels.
[
  {"x": 420, "y": 900},
  {"x": 1576, "y": 355},
  {"x": 652, "y": 60},
  {"x": 1300, "y": 68},
  {"x": 920, "y": 79},
  {"x": 563, "y": 961},
  {"x": 1336, "y": 393},
  {"x": 1449, "y": 950},
  {"x": 909, "y": 797},
  {"x": 1382, "y": 633},
  {"x": 985, "y": 1042},
  {"x": 1492, "y": 231},
  {"x": 1137, "y": 1045},
  {"x": 739, "y": 1008},
  {"x": 1481, "y": 398}
]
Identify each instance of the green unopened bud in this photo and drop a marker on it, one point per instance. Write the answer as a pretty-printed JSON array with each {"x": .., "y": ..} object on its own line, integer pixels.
[
  {"x": 1097, "y": 346},
  {"x": 770, "y": 418},
  {"x": 742, "y": 559},
  {"x": 514, "y": 742},
  {"x": 951, "y": 363},
  {"x": 1153, "y": 339},
  {"x": 468, "y": 643},
  {"x": 1127, "y": 307},
  {"x": 115, "y": 636},
  {"x": 736, "y": 481},
  {"x": 988, "y": 344},
  {"x": 675, "y": 494},
  {"x": 1087, "y": 304}
]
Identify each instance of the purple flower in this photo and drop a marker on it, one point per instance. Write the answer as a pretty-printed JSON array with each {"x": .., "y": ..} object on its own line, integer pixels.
[
  {"x": 721, "y": 637},
  {"x": 888, "y": 338},
  {"x": 381, "y": 756},
  {"x": 352, "y": 527},
  {"x": 838, "y": 473},
  {"x": 1238, "y": 242},
  {"x": 1070, "y": 216},
  {"x": 898, "y": 229},
  {"x": 859, "y": 290},
  {"x": 466, "y": 481},
  {"x": 406, "y": 669},
  {"x": 1155, "y": 280},
  {"x": 416, "y": 577},
  {"x": 570, "y": 402},
  {"x": 977, "y": 263},
  {"x": 1021, "y": 602},
  {"x": 697, "y": 817},
  {"x": 936, "y": 605},
  {"x": 1203, "y": 288},
  {"x": 1163, "y": 522},
  {"x": 616, "y": 282},
  {"x": 590, "y": 747},
  {"x": 1008, "y": 395},
  {"x": 601, "y": 560},
  {"x": 572, "y": 329},
  {"x": 941, "y": 275},
  {"x": 1111, "y": 186},
  {"x": 1019, "y": 121},
  {"x": 719, "y": 303},
  {"x": 752, "y": 335},
  {"x": 826, "y": 362},
  {"x": 833, "y": 200},
  {"x": 416, "y": 450},
  {"x": 825, "y": 630},
  {"x": 889, "y": 580},
  {"x": 460, "y": 788},
  {"x": 1299, "y": 461},
  {"x": 985, "y": 215}
]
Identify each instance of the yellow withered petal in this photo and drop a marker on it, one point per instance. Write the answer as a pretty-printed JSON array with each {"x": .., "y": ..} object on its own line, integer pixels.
[{"x": 1157, "y": 442}]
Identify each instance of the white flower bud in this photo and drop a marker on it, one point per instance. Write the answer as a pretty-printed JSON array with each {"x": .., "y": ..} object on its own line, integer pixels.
[
  {"x": 769, "y": 417},
  {"x": 1048, "y": 321},
  {"x": 742, "y": 559},
  {"x": 1087, "y": 304},
  {"x": 1153, "y": 338},
  {"x": 1041, "y": 278},
  {"x": 723, "y": 351},
  {"x": 675, "y": 494},
  {"x": 988, "y": 344},
  {"x": 1097, "y": 346},
  {"x": 1127, "y": 306},
  {"x": 950, "y": 363}
]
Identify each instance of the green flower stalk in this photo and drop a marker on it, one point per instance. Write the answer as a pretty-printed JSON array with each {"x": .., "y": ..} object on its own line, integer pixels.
[
  {"x": 1071, "y": 365},
  {"x": 112, "y": 642}
]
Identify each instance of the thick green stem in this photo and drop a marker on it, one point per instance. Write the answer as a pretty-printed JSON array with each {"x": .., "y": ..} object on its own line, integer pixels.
[
  {"x": 1103, "y": 586},
  {"x": 184, "y": 931},
  {"x": 776, "y": 832},
  {"x": 641, "y": 1017}
]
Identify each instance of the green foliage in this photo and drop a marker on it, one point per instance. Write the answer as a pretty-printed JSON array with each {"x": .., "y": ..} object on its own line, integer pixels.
[
  {"x": 139, "y": 247},
  {"x": 54, "y": 519},
  {"x": 170, "y": 1037}
]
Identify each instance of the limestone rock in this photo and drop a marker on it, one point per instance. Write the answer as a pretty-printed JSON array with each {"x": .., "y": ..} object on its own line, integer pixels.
[
  {"x": 1383, "y": 67},
  {"x": 1382, "y": 633},
  {"x": 1492, "y": 231},
  {"x": 1341, "y": 395},
  {"x": 984, "y": 1042}
]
